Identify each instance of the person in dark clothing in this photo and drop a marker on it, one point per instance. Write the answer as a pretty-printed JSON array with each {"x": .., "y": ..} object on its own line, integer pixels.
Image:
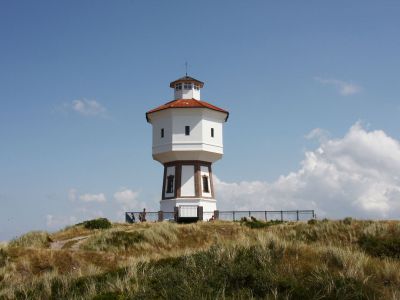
[{"x": 142, "y": 216}]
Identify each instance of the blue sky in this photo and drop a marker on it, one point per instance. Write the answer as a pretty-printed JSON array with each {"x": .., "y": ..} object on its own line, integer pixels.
[{"x": 281, "y": 68}]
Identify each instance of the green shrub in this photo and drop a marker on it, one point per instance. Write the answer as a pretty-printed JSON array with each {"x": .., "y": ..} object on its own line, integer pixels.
[
  {"x": 36, "y": 239},
  {"x": 386, "y": 245},
  {"x": 347, "y": 220},
  {"x": 100, "y": 223},
  {"x": 312, "y": 222}
]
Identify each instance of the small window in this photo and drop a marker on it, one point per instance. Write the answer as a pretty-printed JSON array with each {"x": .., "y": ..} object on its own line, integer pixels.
[
  {"x": 205, "y": 184},
  {"x": 187, "y": 130},
  {"x": 178, "y": 86},
  {"x": 170, "y": 184},
  {"x": 162, "y": 132},
  {"x": 187, "y": 86},
  {"x": 212, "y": 132},
  {"x": 196, "y": 87}
]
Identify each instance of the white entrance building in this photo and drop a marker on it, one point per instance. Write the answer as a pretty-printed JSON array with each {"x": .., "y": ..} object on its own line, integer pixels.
[{"x": 187, "y": 139}]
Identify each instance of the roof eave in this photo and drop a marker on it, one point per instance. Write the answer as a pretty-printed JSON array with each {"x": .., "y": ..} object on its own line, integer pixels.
[{"x": 151, "y": 112}]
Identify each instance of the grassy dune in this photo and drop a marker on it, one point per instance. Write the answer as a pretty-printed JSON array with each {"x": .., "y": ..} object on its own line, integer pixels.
[{"x": 345, "y": 259}]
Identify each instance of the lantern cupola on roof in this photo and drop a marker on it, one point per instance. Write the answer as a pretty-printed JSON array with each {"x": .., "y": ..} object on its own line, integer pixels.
[{"x": 187, "y": 87}]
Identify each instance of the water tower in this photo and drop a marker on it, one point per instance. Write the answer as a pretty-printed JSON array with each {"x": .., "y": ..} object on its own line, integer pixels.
[{"x": 187, "y": 140}]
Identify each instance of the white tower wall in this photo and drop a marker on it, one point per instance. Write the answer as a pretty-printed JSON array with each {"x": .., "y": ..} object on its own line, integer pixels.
[{"x": 198, "y": 145}]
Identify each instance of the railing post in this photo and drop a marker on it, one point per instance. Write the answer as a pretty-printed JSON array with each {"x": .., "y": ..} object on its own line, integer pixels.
[
  {"x": 281, "y": 216},
  {"x": 216, "y": 214},
  {"x": 233, "y": 213},
  {"x": 297, "y": 215},
  {"x": 160, "y": 216},
  {"x": 176, "y": 213},
  {"x": 249, "y": 214},
  {"x": 200, "y": 213},
  {"x": 266, "y": 216}
]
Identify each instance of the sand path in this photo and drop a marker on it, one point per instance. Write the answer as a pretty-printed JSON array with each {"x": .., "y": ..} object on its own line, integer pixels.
[{"x": 75, "y": 243}]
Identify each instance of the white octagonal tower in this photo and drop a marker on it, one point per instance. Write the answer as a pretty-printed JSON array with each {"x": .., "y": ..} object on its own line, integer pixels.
[{"x": 187, "y": 139}]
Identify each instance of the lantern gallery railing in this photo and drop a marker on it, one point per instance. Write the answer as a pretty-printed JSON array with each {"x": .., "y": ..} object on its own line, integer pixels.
[{"x": 231, "y": 215}]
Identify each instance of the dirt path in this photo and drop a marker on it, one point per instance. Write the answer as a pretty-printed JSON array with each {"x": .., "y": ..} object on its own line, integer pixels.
[{"x": 73, "y": 244}]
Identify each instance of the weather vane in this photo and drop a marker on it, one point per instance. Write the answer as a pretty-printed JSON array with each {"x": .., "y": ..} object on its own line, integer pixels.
[{"x": 186, "y": 67}]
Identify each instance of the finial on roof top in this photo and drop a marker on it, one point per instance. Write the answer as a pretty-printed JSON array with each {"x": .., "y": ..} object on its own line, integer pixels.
[{"x": 186, "y": 67}]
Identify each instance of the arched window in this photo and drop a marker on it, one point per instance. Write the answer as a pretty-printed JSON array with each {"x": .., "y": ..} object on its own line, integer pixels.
[
  {"x": 170, "y": 184},
  {"x": 205, "y": 184}
]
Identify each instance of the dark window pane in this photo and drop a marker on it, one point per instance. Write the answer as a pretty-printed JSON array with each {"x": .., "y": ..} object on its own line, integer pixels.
[
  {"x": 205, "y": 184},
  {"x": 162, "y": 132},
  {"x": 170, "y": 184},
  {"x": 187, "y": 130},
  {"x": 212, "y": 132}
]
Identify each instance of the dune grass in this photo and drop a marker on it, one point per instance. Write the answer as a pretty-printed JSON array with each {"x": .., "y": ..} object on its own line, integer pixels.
[
  {"x": 35, "y": 239},
  {"x": 208, "y": 260}
]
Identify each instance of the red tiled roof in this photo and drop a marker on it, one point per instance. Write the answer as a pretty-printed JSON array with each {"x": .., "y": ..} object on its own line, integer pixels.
[{"x": 187, "y": 103}]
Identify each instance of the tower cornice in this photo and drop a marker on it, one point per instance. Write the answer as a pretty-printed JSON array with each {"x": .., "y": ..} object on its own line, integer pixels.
[{"x": 187, "y": 103}]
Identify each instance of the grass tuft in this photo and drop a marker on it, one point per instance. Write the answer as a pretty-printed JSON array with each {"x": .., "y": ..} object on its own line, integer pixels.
[
  {"x": 385, "y": 245},
  {"x": 35, "y": 239},
  {"x": 254, "y": 223},
  {"x": 3, "y": 257}
]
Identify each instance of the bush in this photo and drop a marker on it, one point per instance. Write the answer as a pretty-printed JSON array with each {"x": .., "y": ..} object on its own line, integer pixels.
[
  {"x": 347, "y": 220},
  {"x": 100, "y": 223},
  {"x": 36, "y": 239},
  {"x": 312, "y": 222}
]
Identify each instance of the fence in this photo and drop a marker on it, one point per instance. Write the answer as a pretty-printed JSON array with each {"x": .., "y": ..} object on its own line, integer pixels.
[{"x": 231, "y": 215}]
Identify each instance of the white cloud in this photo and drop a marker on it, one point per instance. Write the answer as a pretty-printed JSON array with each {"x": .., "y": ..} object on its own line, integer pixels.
[
  {"x": 128, "y": 200},
  {"x": 357, "y": 175},
  {"x": 319, "y": 134},
  {"x": 93, "y": 197},
  {"x": 344, "y": 88},
  {"x": 60, "y": 221},
  {"x": 88, "y": 107}
]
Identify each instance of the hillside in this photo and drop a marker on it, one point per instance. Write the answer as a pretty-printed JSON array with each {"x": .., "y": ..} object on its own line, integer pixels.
[{"x": 345, "y": 259}]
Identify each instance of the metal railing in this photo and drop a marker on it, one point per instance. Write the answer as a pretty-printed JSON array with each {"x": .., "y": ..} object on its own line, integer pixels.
[{"x": 231, "y": 215}]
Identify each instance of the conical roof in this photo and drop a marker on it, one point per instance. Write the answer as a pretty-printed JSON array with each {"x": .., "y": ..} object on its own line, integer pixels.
[{"x": 186, "y": 79}]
